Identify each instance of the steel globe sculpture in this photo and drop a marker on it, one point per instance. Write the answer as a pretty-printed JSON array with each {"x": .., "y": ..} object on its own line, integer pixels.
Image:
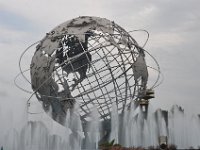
[{"x": 89, "y": 61}]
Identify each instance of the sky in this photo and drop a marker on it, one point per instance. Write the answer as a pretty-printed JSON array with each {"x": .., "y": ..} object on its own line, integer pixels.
[{"x": 174, "y": 28}]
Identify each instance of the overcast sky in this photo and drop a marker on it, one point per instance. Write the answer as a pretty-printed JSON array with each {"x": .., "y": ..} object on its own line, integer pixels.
[{"x": 174, "y": 27}]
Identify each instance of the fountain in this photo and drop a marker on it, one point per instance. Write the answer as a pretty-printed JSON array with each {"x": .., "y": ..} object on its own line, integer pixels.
[
  {"x": 89, "y": 79},
  {"x": 134, "y": 129}
]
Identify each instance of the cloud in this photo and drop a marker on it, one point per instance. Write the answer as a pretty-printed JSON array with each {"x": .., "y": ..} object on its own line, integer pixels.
[
  {"x": 9, "y": 36},
  {"x": 14, "y": 21},
  {"x": 167, "y": 39},
  {"x": 3, "y": 94}
]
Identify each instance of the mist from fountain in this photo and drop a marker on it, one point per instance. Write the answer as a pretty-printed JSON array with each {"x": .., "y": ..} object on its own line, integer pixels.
[
  {"x": 143, "y": 131},
  {"x": 36, "y": 131},
  {"x": 114, "y": 124},
  {"x": 93, "y": 130},
  {"x": 184, "y": 130},
  {"x": 133, "y": 128}
]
